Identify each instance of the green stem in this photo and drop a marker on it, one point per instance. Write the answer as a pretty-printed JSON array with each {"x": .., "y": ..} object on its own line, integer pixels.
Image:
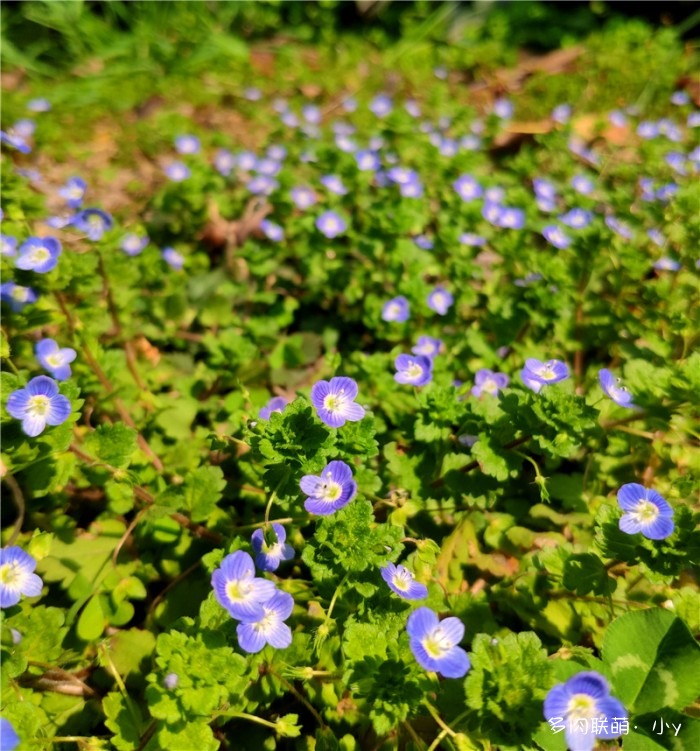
[{"x": 335, "y": 597}]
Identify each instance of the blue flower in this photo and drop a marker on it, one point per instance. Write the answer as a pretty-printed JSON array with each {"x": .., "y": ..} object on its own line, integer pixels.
[
  {"x": 381, "y": 105},
  {"x": 40, "y": 104},
  {"x": 402, "y": 581},
  {"x": 555, "y": 236},
  {"x": 187, "y": 144},
  {"x": 17, "y": 577},
  {"x": 367, "y": 161},
  {"x": 618, "y": 227},
  {"x": 177, "y": 171},
  {"x": 276, "y": 404},
  {"x": 434, "y": 643},
  {"x": 614, "y": 389},
  {"x": 582, "y": 184},
  {"x": 39, "y": 254},
  {"x": 9, "y": 740},
  {"x": 311, "y": 113},
  {"x": 262, "y": 185},
  {"x": 224, "y": 162},
  {"x": 246, "y": 161},
  {"x": 330, "y": 491},
  {"x": 252, "y": 94},
  {"x": 586, "y": 708},
  {"x": 15, "y": 140},
  {"x": 576, "y": 218},
  {"x": 133, "y": 244},
  {"x": 680, "y": 98},
  {"x": 268, "y": 166},
  {"x": 503, "y": 108},
  {"x": 486, "y": 381},
  {"x": 174, "y": 259},
  {"x": 666, "y": 264},
  {"x": 237, "y": 589},
  {"x": 93, "y": 222},
  {"x": 171, "y": 680},
  {"x": 536, "y": 373},
  {"x": 303, "y": 197},
  {"x": 38, "y": 404},
  {"x": 270, "y": 547},
  {"x": 330, "y": 224},
  {"x": 334, "y": 401},
  {"x": 544, "y": 189},
  {"x": 270, "y": 628},
  {"x": 440, "y": 300},
  {"x": 472, "y": 240},
  {"x": 423, "y": 242},
  {"x": 561, "y": 113},
  {"x": 467, "y": 188},
  {"x": 510, "y": 218},
  {"x": 656, "y": 237},
  {"x": 427, "y": 346},
  {"x": 53, "y": 359},
  {"x": 396, "y": 310},
  {"x": 646, "y": 511},
  {"x": 334, "y": 184},
  {"x": 17, "y": 296},
  {"x": 8, "y": 245},
  {"x": 73, "y": 192},
  {"x": 413, "y": 370},
  {"x": 272, "y": 231}
]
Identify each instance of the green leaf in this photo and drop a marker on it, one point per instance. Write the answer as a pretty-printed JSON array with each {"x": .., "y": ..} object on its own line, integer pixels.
[
  {"x": 124, "y": 720},
  {"x": 92, "y": 620},
  {"x": 654, "y": 661},
  {"x": 112, "y": 444},
  {"x": 584, "y": 573}
]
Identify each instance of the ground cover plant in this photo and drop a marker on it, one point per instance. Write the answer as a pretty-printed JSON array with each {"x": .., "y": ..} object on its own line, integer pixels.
[{"x": 349, "y": 382}]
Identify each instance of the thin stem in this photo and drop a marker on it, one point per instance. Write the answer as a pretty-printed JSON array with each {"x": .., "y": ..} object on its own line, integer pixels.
[
  {"x": 253, "y": 718},
  {"x": 335, "y": 597},
  {"x": 436, "y": 716},
  {"x": 18, "y": 498},
  {"x": 268, "y": 508}
]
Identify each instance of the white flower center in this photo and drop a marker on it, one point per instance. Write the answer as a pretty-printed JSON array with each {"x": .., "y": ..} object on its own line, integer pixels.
[
  {"x": 39, "y": 255},
  {"x": 645, "y": 512},
  {"x": 10, "y": 574},
  {"x": 55, "y": 360},
  {"x": 582, "y": 707},
  {"x": 414, "y": 370},
  {"x": 402, "y": 580},
  {"x": 238, "y": 590},
  {"x": 437, "y": 643},
  {"x": 335, "y": 402},
  {"x": 19, "y": 294},
  {"x": 330, "y": 490},
  {"x": 39, "y": 405},
  {"x": 490, "y": 386}
]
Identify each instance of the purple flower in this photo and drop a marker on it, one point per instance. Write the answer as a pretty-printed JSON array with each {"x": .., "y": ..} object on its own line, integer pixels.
[
  {"x": 470, "y": 142},
  {"x": 680, "y": 98},
  {"x": 276, "y": 404},
  {"x": 381, "y": 105},
  {"x": 412, "y": 107},
  {"x": 345, "y": 144},
  {"x": 494, "y": 194},
  {"x": 289, "y": 119},
  {"x": 561, "y": 113},
  {"x": 93, "y": 222},
  {"x": 334, "y": 401},
  {"x": 73, "y": 191},
  {"x": 555, "y": 236},
  {"x": 423, "y": 242},
  {"x": 467, "y": 440},
  {"x": 17, "y": 296},
  {"x": 262, "y": 185},
  {"x": 367, "y": 160},
  {"x": 427, "y": 346},
  {"x": 694, "y": 120},
  {"x": 618, "y": 227},
  {"x": 55, "y": 360},
  {"x": 252, "y": 94},
  {"x": 15, "y": 140},
  {"x": 469, "y": 238},
  {"x": 333, "y": 489},
  {"x": 440, "y": 71},
  {"x": 397, "y": 310},
  {"x": 334, "y": 184},
  {"x": 503, "y": 108},
  {"x": 486, "y": 381},
  {"x": 17, "y": 577},
  {"x": 38, "y": 105},
  {"x": 133, "y": 244},
  {"x": 8, "y": 245},
  {"x": 237, "y": 589},
  {"x": 574, "y": 705},
  {"x": 527, "y": 280},
  {"x": 582, "y": 184},
  {"x": 303, "y": 197},
  {"x": 224, "y": 162},
  {"x": 647, "y": 129},
  {"x": 311, "y": 113},
  {"x": 269, "y": 628},
  {"x": 272, "y": 231},
  {"x": 666, "y": 192},
  {"x": 350, "y": 104},
  {"x": 174, "y": 259},
  {"x": 510, "y": 218},
  {"x": 413, "y": 370},
  {"x": 187, "y": 144},
  {"x": 576, "y": 218},
  {"x": 614, "y": 389},
  {"x": 536, "y": 373},
  {"x": 9, "y": 740},
  {"x": 440, "y": 300},
  {"x": 330, "y": 224},
  {"x": 402, "y": 175},
  {"x": 544, "y": 189},
  {"x": 667, "y": 264},
  {"x": 617, "y": 118},
  {"x": 402, "y": 581},
  {"x": 39, "y": 254},
  {"x": 177, "y": 171},
  {"x": 38, "y": 404},
  {"x": 646, "y": 511},
  {"x": 270, "y": 547},
  {"x": 434, "y": 643},
  {"x": 467, "y": 188},
  {"x": 171, "y": 680},
  {"x": 24, "y": 128},
  {"x": 656, "y": 237},
  {"x": 246, "y": 161}
]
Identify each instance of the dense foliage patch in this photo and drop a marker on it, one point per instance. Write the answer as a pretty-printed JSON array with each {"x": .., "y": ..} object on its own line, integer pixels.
[{"x": 354, "y": 403}]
